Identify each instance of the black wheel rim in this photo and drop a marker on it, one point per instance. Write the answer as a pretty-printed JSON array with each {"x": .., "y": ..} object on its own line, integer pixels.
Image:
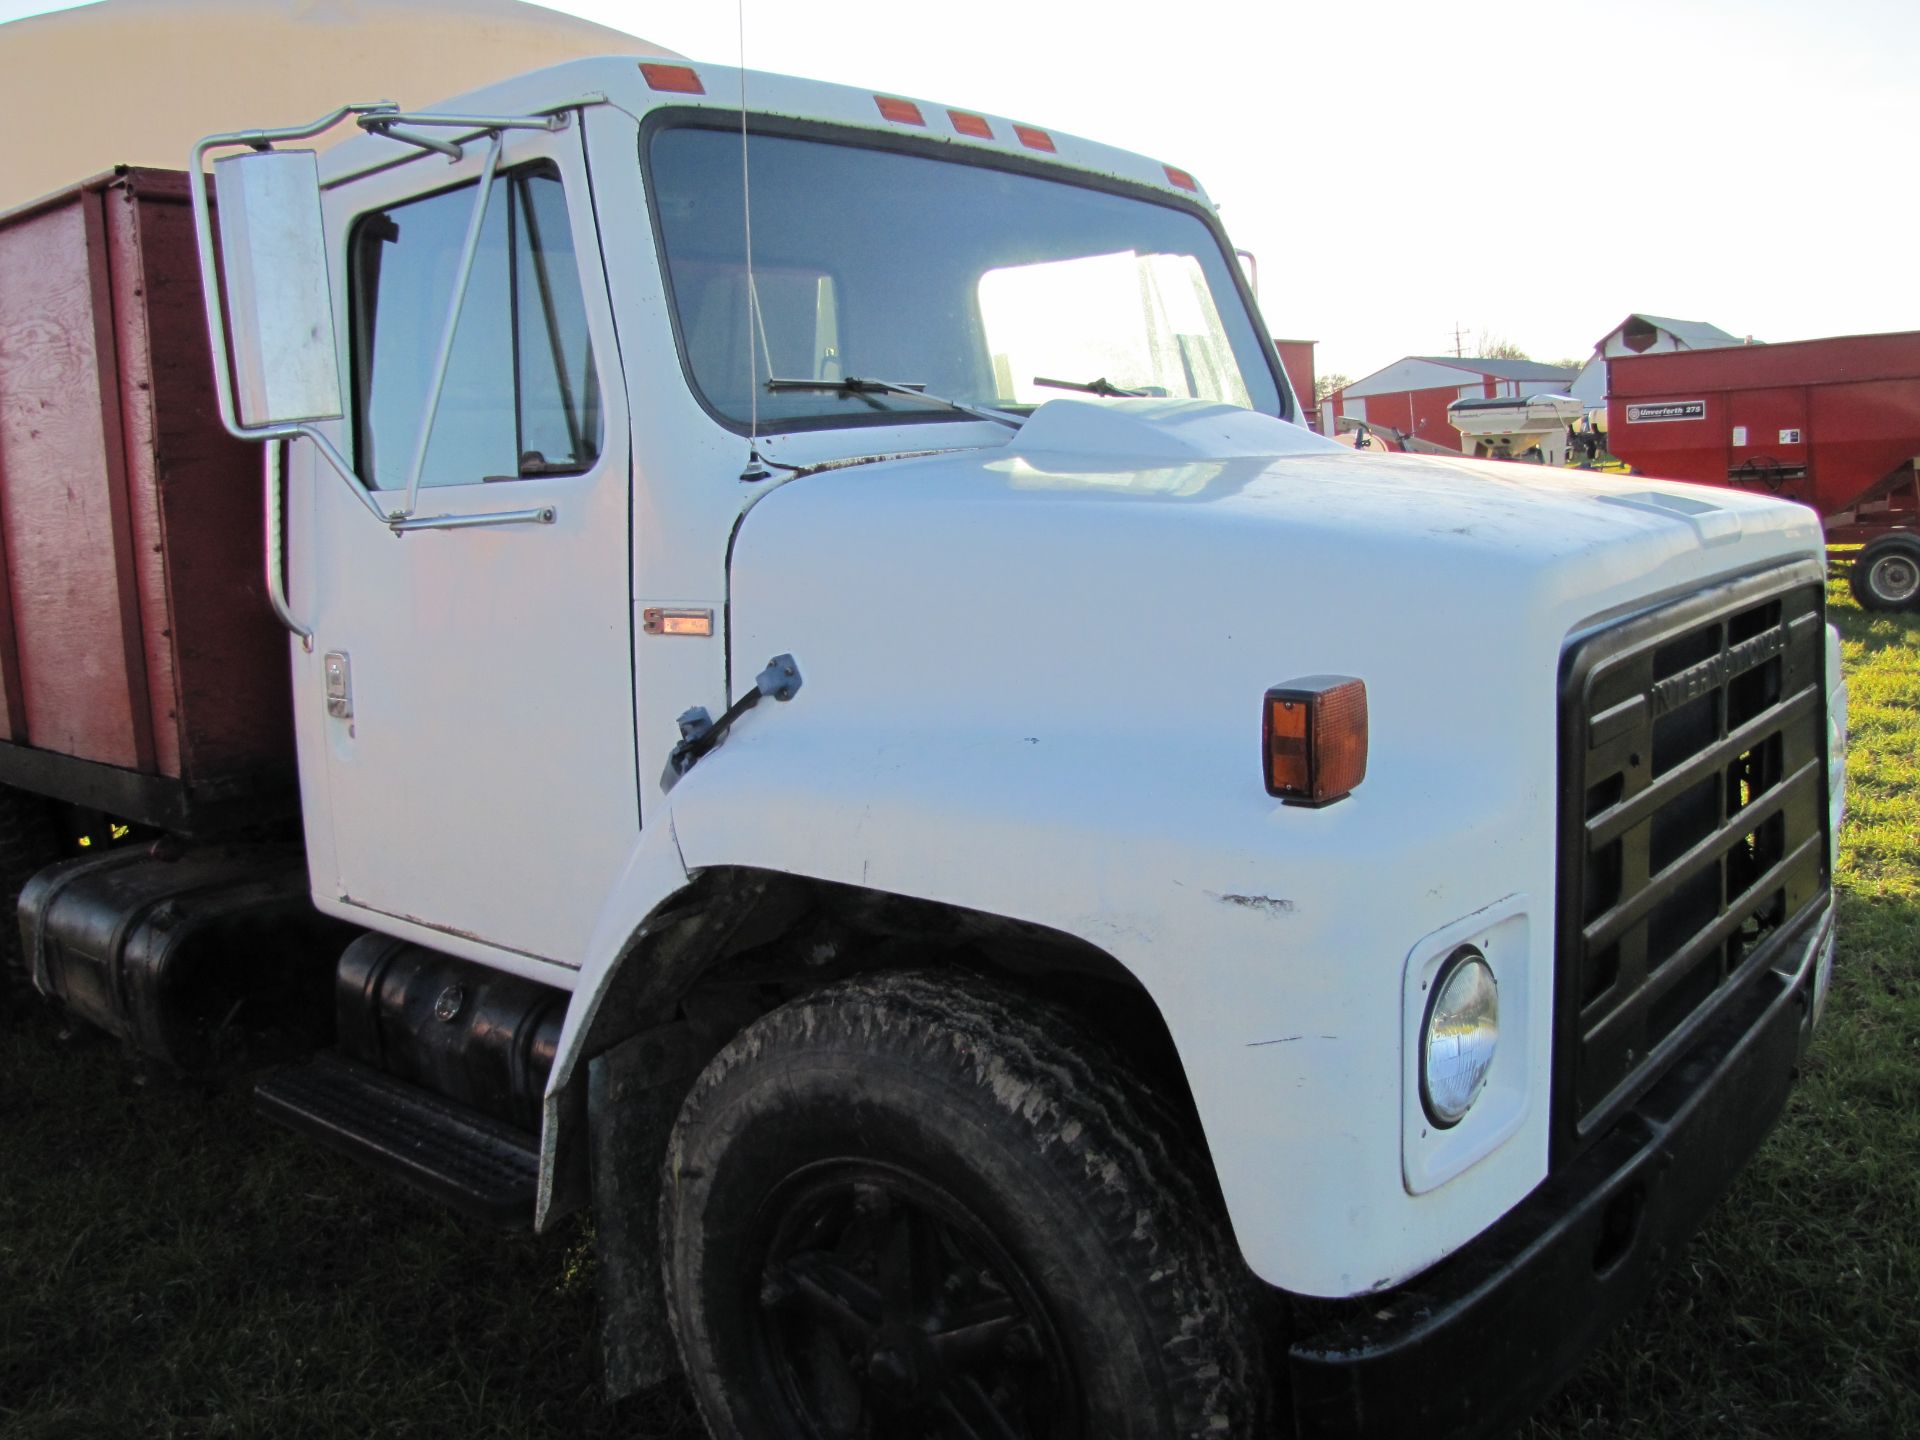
[{"x": 888, "y": 1311}]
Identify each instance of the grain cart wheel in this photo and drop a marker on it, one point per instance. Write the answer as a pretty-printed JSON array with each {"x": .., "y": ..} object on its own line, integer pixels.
[
  {"x": 908, "y": 1207},
  {"x": 1886, "y": 575},
  {"x": 29, "y": 841}
]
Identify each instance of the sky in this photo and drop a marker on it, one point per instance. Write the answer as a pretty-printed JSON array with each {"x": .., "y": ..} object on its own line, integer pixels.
[{"x": 1530, "y": 172}]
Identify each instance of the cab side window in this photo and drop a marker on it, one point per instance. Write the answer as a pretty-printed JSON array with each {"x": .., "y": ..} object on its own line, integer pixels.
[{"x": 521, "y": 396}]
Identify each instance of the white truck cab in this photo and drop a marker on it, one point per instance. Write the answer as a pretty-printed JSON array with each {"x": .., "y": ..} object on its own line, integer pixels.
[{"x": 1033, "y": 894}]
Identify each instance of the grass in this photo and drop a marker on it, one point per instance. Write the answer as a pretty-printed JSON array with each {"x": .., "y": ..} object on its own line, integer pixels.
[{"x": 173, "y": 1266}]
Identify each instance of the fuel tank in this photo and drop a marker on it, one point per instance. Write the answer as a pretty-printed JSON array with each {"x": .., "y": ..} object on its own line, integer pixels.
[
  {"x": 178, "y": 951},
  {"x": 473, "y": 1035}
]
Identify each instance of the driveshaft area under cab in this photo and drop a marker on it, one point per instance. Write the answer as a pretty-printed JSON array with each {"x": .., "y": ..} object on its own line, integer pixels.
[{"x": 839, "y": 718}]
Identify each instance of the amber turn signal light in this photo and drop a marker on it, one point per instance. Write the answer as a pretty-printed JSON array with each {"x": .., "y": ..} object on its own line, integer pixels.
[{"x": 1313, "y": 739}]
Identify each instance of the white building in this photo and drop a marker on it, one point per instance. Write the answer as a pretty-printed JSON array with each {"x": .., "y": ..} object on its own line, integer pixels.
[{"x": 1645, "y": 335}]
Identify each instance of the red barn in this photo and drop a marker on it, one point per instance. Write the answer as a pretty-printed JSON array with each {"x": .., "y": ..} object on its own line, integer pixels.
[
  {"x": 1412, "y": 395},
  {"x": 1297, "y": 357}
]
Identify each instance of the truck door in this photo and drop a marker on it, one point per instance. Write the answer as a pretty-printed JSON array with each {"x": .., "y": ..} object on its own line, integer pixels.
[{"x": 471, "y": 688}]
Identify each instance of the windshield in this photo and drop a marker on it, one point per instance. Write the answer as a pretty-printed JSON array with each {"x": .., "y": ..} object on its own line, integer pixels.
[{"x": 973, "y": 282}]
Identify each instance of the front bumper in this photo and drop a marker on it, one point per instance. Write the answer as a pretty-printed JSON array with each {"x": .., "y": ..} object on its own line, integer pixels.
[{"x": 1476, "y": 1343}]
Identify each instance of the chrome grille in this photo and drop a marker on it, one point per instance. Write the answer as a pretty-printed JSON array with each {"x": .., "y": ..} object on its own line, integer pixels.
[{"x": 1693, "y": 824}]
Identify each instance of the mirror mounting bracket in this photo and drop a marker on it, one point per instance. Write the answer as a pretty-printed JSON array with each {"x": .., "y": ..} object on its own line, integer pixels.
[{"x": 382, "y": 118}]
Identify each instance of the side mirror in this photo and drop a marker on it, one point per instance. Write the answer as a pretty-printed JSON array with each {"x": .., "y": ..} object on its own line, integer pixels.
[{"x": 279, "y": 300}]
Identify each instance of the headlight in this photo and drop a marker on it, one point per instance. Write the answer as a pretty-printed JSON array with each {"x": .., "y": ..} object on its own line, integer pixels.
[{"x": 1463, "y": 1026}]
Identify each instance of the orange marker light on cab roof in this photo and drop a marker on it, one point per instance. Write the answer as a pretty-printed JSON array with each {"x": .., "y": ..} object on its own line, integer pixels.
[
  {"x": 1034, "y": 139},
  {"x": 679, "y": 79},
  {"x": 1313, "y": 738},
  {"x": 1181, "y": 178},
  {"x": 904, "y": 112},
  {"x": 970, "y": 124}
]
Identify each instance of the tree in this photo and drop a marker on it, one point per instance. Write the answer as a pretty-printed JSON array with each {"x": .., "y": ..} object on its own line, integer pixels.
[
  {"x": 1498, "y": 347},
  {"x": 1325, "y": 385}
]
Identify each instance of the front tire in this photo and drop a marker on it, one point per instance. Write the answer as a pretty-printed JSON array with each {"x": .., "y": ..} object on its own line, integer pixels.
[
  {"x": 909, "y": 1207},
  {"x": 1886, "y": 574}
]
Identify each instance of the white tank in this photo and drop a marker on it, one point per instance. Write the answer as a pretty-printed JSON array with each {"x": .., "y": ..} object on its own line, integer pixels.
[
  {"x": 136, "y": 82},
  {"x": 1517, "y": 427}
]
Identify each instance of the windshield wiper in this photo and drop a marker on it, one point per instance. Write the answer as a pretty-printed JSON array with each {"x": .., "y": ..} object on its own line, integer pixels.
[
  {"x": 854, "y": 385},
  {"x": 1101, "y": 386}
]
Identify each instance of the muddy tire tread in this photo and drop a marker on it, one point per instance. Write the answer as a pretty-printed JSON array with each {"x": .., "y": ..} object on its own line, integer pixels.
[{"x": 1098, "y": 1125}]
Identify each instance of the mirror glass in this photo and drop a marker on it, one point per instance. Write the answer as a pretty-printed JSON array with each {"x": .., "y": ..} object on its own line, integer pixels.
[{"x": 273, "y": 262}]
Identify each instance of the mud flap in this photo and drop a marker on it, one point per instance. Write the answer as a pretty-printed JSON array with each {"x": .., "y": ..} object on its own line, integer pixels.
[{"x": 634, "y": 1092}]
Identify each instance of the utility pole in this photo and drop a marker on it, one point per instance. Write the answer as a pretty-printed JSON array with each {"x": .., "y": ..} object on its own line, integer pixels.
[{"x": 1459, "y": 345}]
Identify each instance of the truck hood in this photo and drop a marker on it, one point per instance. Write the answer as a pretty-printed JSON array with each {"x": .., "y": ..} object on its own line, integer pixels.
[
  {"x": 1199, "y": 469},
  {"x": 1188, "y": 556}
]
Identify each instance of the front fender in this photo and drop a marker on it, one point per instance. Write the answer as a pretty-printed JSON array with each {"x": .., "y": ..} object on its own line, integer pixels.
[
  {"x": 1257, "y": 929},
  {"x": 653, "y": 874}
]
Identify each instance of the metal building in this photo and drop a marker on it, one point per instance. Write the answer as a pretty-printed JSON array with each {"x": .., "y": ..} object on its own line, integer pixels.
[
  {"x": 159, "y": 74},
  {"x": 1411, "y": 395}
]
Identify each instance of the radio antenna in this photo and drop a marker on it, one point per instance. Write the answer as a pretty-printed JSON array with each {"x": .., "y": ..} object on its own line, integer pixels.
[{"x": 756, "y": 468}]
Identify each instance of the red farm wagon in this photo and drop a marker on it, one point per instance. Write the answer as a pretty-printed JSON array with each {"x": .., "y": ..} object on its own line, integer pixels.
[
  {"x": 142, "y": 673},
  {"x": 1832, "y": 423}
]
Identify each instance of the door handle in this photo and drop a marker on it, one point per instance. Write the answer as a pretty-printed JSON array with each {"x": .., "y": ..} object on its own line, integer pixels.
[{"x": 339, "y": 677}]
